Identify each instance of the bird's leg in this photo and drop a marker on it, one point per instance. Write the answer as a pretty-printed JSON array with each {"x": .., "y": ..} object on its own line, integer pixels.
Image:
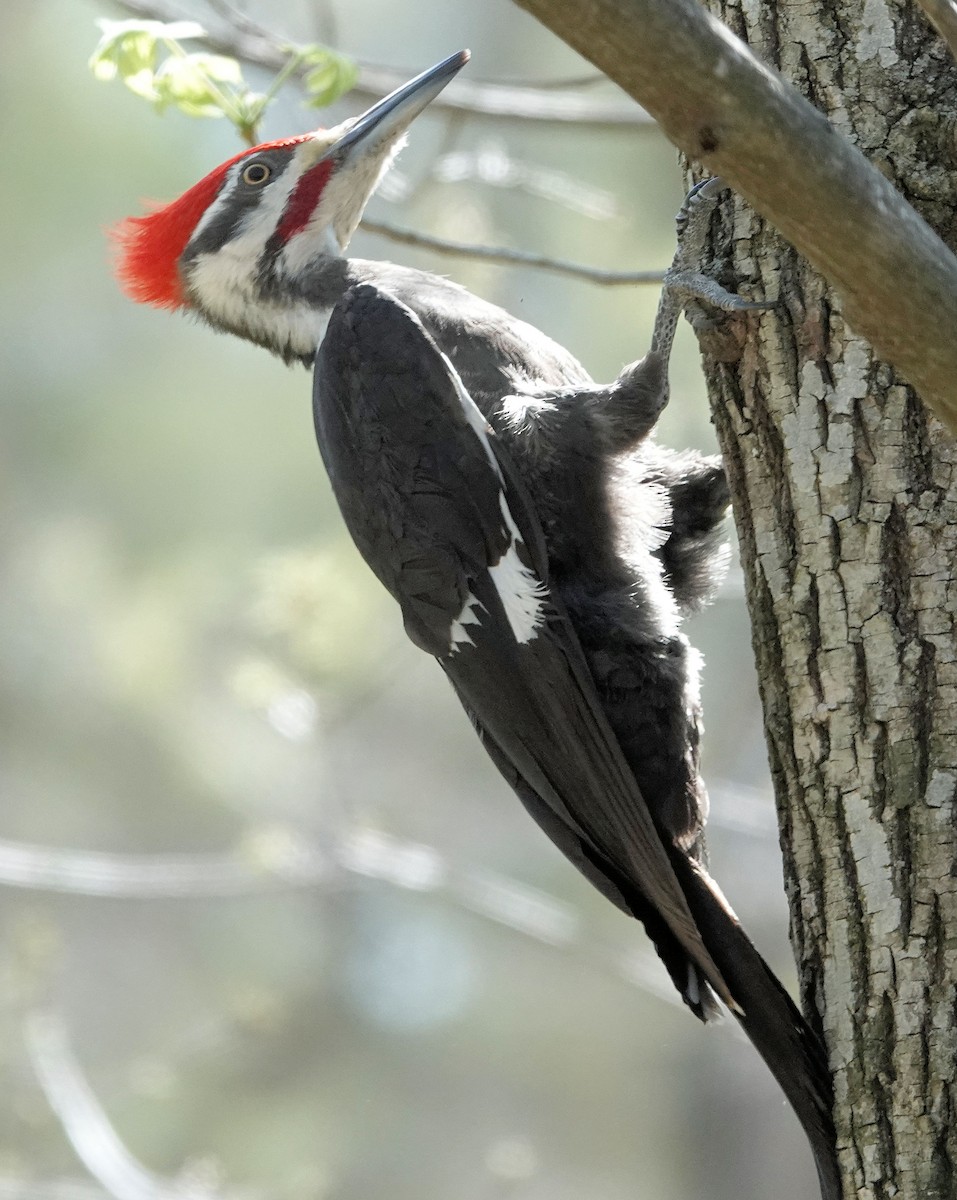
[
  {"x": 622, "y": 414},
  {"x": 684, "y": 284},
  {"x": 694, "y": 557},
  {"x": 639, "y": 395},
  {"x": 618, "y": 417}
]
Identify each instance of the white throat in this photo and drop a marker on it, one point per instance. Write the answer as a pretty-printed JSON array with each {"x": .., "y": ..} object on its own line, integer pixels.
[{"x": 228, "y": 296}]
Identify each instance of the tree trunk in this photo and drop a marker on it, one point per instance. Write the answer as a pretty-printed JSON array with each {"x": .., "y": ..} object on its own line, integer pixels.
[{"x": 846, "y": 507}]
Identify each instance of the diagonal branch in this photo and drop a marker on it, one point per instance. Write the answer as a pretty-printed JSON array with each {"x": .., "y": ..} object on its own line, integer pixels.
[
  {"x": 260, "y": 865},
  {"x": 942, "y": 14},
  {"x": 716, "y": 102},
  {"x": 253, "y": 44}
]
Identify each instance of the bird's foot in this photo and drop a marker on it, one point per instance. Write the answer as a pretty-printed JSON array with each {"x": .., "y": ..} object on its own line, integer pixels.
[
  {"x": 689, "y": 288},
  {"x": 630, "y": 407},
  {"x": 686, "y": 288}
]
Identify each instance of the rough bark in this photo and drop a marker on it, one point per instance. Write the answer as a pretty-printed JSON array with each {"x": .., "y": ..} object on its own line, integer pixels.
[{"x": 846, "y": 506}]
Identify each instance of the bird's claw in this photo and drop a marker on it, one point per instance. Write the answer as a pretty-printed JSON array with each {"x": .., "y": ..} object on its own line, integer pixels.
[
  {"x": 684, "y": 278},
  {"x": 689, "y": 286}
]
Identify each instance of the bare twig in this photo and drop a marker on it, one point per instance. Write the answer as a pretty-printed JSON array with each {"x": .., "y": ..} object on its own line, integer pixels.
[
  {"x": 942, "y": 14},
  {"x": 254, "y": 45},
  {"x": 92, "y": 1135},
  {"x": 278, "y": 860},
  {"x": 366, "y": 853},
  {"x": 499, "y": 254},
  {"x": 274, "y": 859},
  {"x": 151, "y": 877},
  {"x": 516, "y": 103},
  {"x": 86, "y": 1124},
  {"x": 490, "y": 163},
  {"x": 567, "y": 83},
  {"x": 237, "y": 19}
]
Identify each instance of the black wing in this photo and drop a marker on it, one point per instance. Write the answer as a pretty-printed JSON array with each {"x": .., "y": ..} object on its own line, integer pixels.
[
  {"x": 443, "y": 521},
  {"x": 441, "y": 517}
]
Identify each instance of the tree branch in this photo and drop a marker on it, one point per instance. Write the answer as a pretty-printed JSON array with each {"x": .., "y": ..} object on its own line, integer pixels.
[
  {"x": 897, "y": 280},
  {"x": 506, "y": 257},
  {"x": 255, "y": 867},
  {"x": 278, "y": 860},
  {"x": 942, "y": 14},
  {"x": 264, "y": 863},
  {"x": 253, "y": 44}
]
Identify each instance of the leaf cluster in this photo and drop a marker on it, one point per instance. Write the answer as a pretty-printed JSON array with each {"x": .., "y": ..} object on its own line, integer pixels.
[{"x": 150, "y": 58}]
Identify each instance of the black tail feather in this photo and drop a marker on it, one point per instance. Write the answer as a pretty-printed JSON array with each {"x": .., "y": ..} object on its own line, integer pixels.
[{"x": 770, "y": 1018}]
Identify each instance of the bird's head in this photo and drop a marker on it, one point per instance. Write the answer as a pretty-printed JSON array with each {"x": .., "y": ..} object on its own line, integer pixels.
[{"x": 244, "y": 248}]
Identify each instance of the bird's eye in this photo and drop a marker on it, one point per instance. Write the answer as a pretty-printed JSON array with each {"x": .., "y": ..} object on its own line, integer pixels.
[{"x": 256, "y": 173}]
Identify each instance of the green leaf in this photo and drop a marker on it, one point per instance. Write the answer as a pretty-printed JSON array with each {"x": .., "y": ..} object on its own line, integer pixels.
[
  {"x": 185, "y": 84},
  {"x": 171, "y": 31},
  {"x": 218, "y": 66},
  {"x": 331, "y": 75},
  {"x": 141, "y": 83},
  {"x": 128, "y": 48},
  {"x": 204, "y": 84},
  {"x": 124, "y": 53}
]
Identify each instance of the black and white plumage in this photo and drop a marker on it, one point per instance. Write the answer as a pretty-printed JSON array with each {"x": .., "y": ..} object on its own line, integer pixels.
[
  {"x": 545, "y": 558},
  {"x": 442, "y": 518},
  {"x": 433, "y": 500}
]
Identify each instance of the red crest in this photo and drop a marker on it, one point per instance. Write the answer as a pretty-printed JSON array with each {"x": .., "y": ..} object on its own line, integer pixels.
[{"x": 149, "y": 247}]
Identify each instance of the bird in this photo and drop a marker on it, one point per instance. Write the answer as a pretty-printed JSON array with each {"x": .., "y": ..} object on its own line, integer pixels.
[{"x": 541, "y": 544}]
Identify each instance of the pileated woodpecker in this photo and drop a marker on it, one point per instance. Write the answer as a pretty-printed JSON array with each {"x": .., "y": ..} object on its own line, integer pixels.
[{"x": 539, "y": 542}]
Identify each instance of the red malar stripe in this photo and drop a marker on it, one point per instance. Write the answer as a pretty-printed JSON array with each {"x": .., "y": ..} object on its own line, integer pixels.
[{"x": 303, "y": 201}]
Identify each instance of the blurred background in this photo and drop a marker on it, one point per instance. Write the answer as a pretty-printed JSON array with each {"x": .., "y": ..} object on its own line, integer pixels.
[{"x": 271, "y": 924}]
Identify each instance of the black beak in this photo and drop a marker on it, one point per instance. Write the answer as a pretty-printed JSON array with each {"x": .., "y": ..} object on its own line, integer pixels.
[{"x": 392, "y": 116}]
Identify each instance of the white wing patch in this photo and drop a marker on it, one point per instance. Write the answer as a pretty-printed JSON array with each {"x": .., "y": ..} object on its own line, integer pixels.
[
  {"x": 468, "y": 616},
  {"x": 521, "y": 591}
]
